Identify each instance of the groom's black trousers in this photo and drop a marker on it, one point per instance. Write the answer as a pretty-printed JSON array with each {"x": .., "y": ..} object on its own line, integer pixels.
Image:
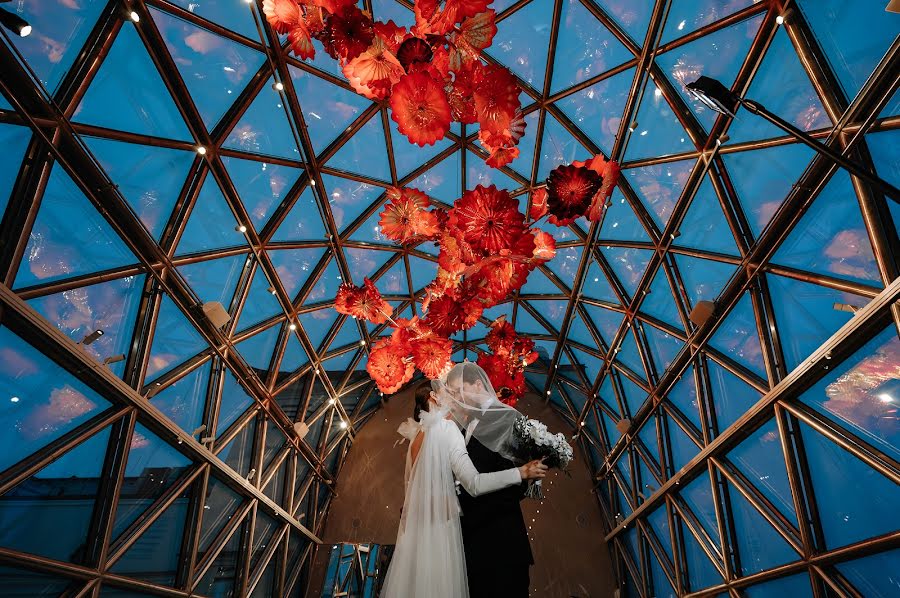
[{"x": 498, "y": 553}]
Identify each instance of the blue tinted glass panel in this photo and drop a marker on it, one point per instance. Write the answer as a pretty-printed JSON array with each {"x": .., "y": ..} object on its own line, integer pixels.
[
  {"x": 738, "y": 337},
  {"x": 703, "y": 279},
  {"x": 760, "y": 547},
  {"x": 174, "y": 340},
  {"x": 215, "y": 280},
  {"x": 686, "y": 16},
  {"x": 264, "y": 128},
  {"x": 183, "y": 401},
  {"x": 261, "y": 304},
  {"x": 261, "y": 186},
  {"x": 156, "y": 554},
  {"x": 328, "y": 109},
  {"x": 363, "y": 153},
  {"x": 211, "y": 224},
  {"x": 658, "y": 132},
  {"x": 875, "y": 575},
  {"x": 522, "y": 42},
  {"x": 559, "y": 148},
  {"x": 628, "y": 264},
  {"x": 257, "y": 350},
  {"x": 731, "y": 396},
  {"x": 701, "y": 571},
  {"x": 14, "y": 140},
  {"x": 660, "y": 186},
  {"x": 761, "y": 459},
  {"x": 796, "y": 586},
  {"x": 303, "y": 222},
  {"x": 600, "y": 104},
  {"x": 705, "y": 226}
]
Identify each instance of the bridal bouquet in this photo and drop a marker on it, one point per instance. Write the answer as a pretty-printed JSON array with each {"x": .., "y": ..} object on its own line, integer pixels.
[{"x": 532, "y": 440}]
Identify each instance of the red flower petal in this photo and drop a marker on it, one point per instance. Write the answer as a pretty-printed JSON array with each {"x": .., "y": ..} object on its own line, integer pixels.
[
  {"x": 392, "y": 34},
  {"x": 488, "y": 219},
  {"x": 282, "y": 15},
  {"x": 420, "y": 108},
  {"x": 362, "y": 302},
  {"x": 414, "y": 50},
  {"x": 431, "y": 354},
  {"x": 389, "y": 367},
  {"x": 496, "y": 98},
  {"x": 461, "y": 91},
  {"x": 405, "y": 218},
  {"x": 447, "y": 316},
  {"x": 538, "y": 204},
  {"x": 501, "y": 337},
  {"x": 374, "y": 72},
  {"x": 350, "y": 31},
  {"x": 544, "y": 247},
  {"x": 570, "y": 190},
  {"x": 301, "y": 42}
]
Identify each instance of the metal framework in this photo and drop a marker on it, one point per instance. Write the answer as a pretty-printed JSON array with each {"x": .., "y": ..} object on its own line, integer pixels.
[{"x": 314, "y": 373}]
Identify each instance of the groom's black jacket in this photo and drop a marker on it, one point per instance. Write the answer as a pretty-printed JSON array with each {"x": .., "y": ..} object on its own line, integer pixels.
[{"x": 493, "y": 528}]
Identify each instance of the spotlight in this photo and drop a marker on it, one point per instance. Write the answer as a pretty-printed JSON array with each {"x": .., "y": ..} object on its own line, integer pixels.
[
  {"x": 623, "y": 425},
  {"x": 780, "y": 19},
  {"x": 153, "y": 391},
  {"x": 271, "y": 290},
  {"x": 343, "y": 425},
  {"x": 114, "y": 359},
  {"x": 90, "y": 338},
  {"x": 240, "y": 228},
  {"x": 278, "y": 86},
  {"x": 293, "y": 326},
  {"x": 332, "y": 401},
  {"x": 216, "y": 314},
  {"x": 714, "y": 95},
  {"x": 201, "y": 150},
  {"x": 852, "y": 309},
  {"x": 15, "y": 23},
  {"x": 135, "y": 17}
]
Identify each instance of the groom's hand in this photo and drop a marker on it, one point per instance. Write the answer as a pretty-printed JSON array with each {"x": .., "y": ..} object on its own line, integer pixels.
[{"x": 533, "y": 470}]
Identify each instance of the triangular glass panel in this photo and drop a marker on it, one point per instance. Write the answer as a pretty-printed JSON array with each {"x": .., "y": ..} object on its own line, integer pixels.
[
  {"x": 303, "y": 222},
  {"x": 348, "y": 334},
  {"x": 444, "y": 180},
  {"x": 854, "y": 501},
  {"x": 684, "y": 396},
  {"x": 886, "y": 158},
  {"x": 479, "y": 173},
  {"x": 422, "y": 271},
  {"x": 526, "y": 145},
  {"x": 261, "y": 186},
  {"x": 295, "y": 266},
  {"x": 552, "y": 311},
  {"x": 294, "y": 356},
  {"x": 632, "y": 17},
  {"x": 264, "y": 587},
  {"x": 831, "y": 238},
  {"x": 760, "y": 547},
  {"x": 369, "y": 232},
  {"x": 215, "y": 280},
  {"x": 21, "y": 583},
  {"x": 763, "y": 179},
  {"x": 540, "y": 284},
  {"x": 621, "y": 223},
  {"x": 527, "y": 324},
  {"x": 362, "y": 154},
  {"x": 635, "y": 396},
  {"x": 806, "y": 315},
  {"x": 760, "y": 458},
  {"x": 686, "y": 16},
  {"x": 238, "y": 454},
  {"x": 522, "y": 42},
  {"x": 628, "y": 264},
  {"x": 174, "y": 340},
  {"x": 628, "y": 354},
  {"x": 260, "y": 303},
  {"x": 681, "y": 445},
  {"x": 738, "y": 338},
  {"x": 602, "y": 103},
  {"x": 796, "y": 586},
  {"x": 407, "y": 156},
  {"x": 328, "y": 109},
  {"x": 72, "y": 481},
  {"x": 579, "y": 332},
  {"x": 143, "y": 104},
  {"x": 703, "y": 279},
  {"x": 391, "y": 10},
  {"x": 704, "y": 226},
  {"x": 658, "y": 131},
  {"x": 264, "y": 128},
  {"x": 257, "y": 350},
  {"x": 393, "y": 282},
  {"x": 731, "y": 396},
  {"x": 220, "y": 577},
  {"x": 597, "y": 286},
  {"x": 659, "y": 522},
  {"x": 152, "y": 467},
  {"x": 853, "y": 41},
  {"x": 719, "y": 55},
  {"x": 69, "y": 237},
  {"x": 660, "y": 302},
  {"x": 349, "y": 199},
  {"x": 183, "y": 401},
  {"x": 109, "y": 306},
  {"x": 648, "y": 437},
  {"x": 234, "y": 402},
  {"x": 586, "y": 50},
  {"x": 155, "y": 556},
  {"x": 275, "y": 440},
  {"x": 211, "y": 224},
  {"x": 589, "y": 364},
  {"x": 219, "y": 507},
  {"x": 607, "y": 321},
  {"x": 215, "y": 69},
  {"x": 663, "y": 347},
  {"x": 698, "y": 496},
  {"x": 873, "y": 575},
  {"x": 326, "y": 287},
  {"x": 149, "y": 178},
  {"x": 317, "y": 323},
  {"x": 365, "y": 263},
  {"x": 565, "y": 264},
  {"x": 782, "y": 85},
  {"x": 662, "y": 587},
  {"x": 701, "y": 571},
  {"x": 659, "y": 186},
  {"x": 559, "y": 147},
  {"x": 265, "y": 528}
]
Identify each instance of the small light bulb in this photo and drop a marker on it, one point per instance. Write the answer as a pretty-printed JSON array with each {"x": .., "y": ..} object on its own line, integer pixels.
[
  {"x": 362, "y": 343},
  {"x": 343, "y": 425},
  {"x": 331, "y": 401},
  {"x": 240, "y": 228},
  {"x": 779, "y": 19},
  {"x": 201, "y": 150},
  {"x": 278, "y": 86},
  {"x": 293, "y": 326},
  {"x": 25, "y": 31},
  {"x": 313, "y": 183},
  {"x": 135, "y": 17},
  {"x": 14, "y": 400},
  {"x": 548, "y": 393}
]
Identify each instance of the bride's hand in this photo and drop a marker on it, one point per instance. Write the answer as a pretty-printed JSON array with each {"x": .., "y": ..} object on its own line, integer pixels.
[{"x": 534, "y": 470}]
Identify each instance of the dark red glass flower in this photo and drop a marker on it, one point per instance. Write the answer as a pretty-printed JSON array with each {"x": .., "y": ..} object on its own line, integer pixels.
[
  {"x": 570, "y": 190},
  {"x": 420, "y": 108}
]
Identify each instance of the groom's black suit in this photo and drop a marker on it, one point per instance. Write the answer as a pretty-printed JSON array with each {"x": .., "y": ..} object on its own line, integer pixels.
[{"x": 498, "y": 553}]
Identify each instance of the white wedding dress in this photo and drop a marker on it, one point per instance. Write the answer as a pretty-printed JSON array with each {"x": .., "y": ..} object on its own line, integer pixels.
[{"x": 428, "y": 560}]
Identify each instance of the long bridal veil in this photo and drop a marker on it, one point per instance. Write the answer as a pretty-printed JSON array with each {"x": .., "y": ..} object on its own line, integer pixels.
[{"x": 429, "y": 560}]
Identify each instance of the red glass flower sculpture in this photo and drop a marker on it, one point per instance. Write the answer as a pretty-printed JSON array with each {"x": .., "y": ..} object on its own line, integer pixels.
[
  {"x": 488, "y": 219},
  {"x": 570, "y": 190},
  {"x": 406, "y": 217},
  {"x": 374, "y": 72},
  {"x": 420, "y": 108},
  {"x": 351, "y": 32},
  {"x": 363, "y": 302},
  {"x": 389, "y": 367},
  {"x": 431, "y": 354}
]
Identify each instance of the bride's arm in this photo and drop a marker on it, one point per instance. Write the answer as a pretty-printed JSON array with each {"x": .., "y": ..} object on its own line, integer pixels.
[{"x": 476, "y": 483}]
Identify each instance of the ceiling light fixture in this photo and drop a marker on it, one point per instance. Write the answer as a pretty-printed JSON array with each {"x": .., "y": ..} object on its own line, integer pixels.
[
  {"x": 292, "y": 326},
  {"x": 780, "y": 19},
  {"x": 91, "y": 338},
  {"x": 14, "y": 399},
  {"x": 15, "y": 23},
  {"x": 240, "y": 228},
  {"x": 278, "y": 86},
  {"x": 134, "y": 16},
  {"x": 114, "y": 359},
  {"x": 201, "y": 150},
  {"x": 717, "y": 97},
  {"x": 343, "y": 425}
]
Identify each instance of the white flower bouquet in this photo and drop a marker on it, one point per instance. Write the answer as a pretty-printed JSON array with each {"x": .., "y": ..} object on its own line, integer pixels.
[{"x": 532, "y": 440}]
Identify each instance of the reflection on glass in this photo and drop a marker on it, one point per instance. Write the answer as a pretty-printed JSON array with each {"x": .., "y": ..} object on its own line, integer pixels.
[{"x": 219, "y": 508}]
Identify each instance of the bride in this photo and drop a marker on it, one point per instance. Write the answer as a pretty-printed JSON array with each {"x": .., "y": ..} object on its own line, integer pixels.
[{"x": 428, "y": 559}]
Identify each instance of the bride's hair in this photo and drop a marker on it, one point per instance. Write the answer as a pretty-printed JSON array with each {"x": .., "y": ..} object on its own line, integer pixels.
[{"x": 423, "y": 394}]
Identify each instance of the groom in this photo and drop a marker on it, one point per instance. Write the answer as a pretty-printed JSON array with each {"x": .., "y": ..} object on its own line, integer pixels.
[{"x": 498, "y": 553}]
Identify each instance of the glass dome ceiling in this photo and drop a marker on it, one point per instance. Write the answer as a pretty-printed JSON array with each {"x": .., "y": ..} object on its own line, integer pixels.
[{"x": 122, "y": 226}]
